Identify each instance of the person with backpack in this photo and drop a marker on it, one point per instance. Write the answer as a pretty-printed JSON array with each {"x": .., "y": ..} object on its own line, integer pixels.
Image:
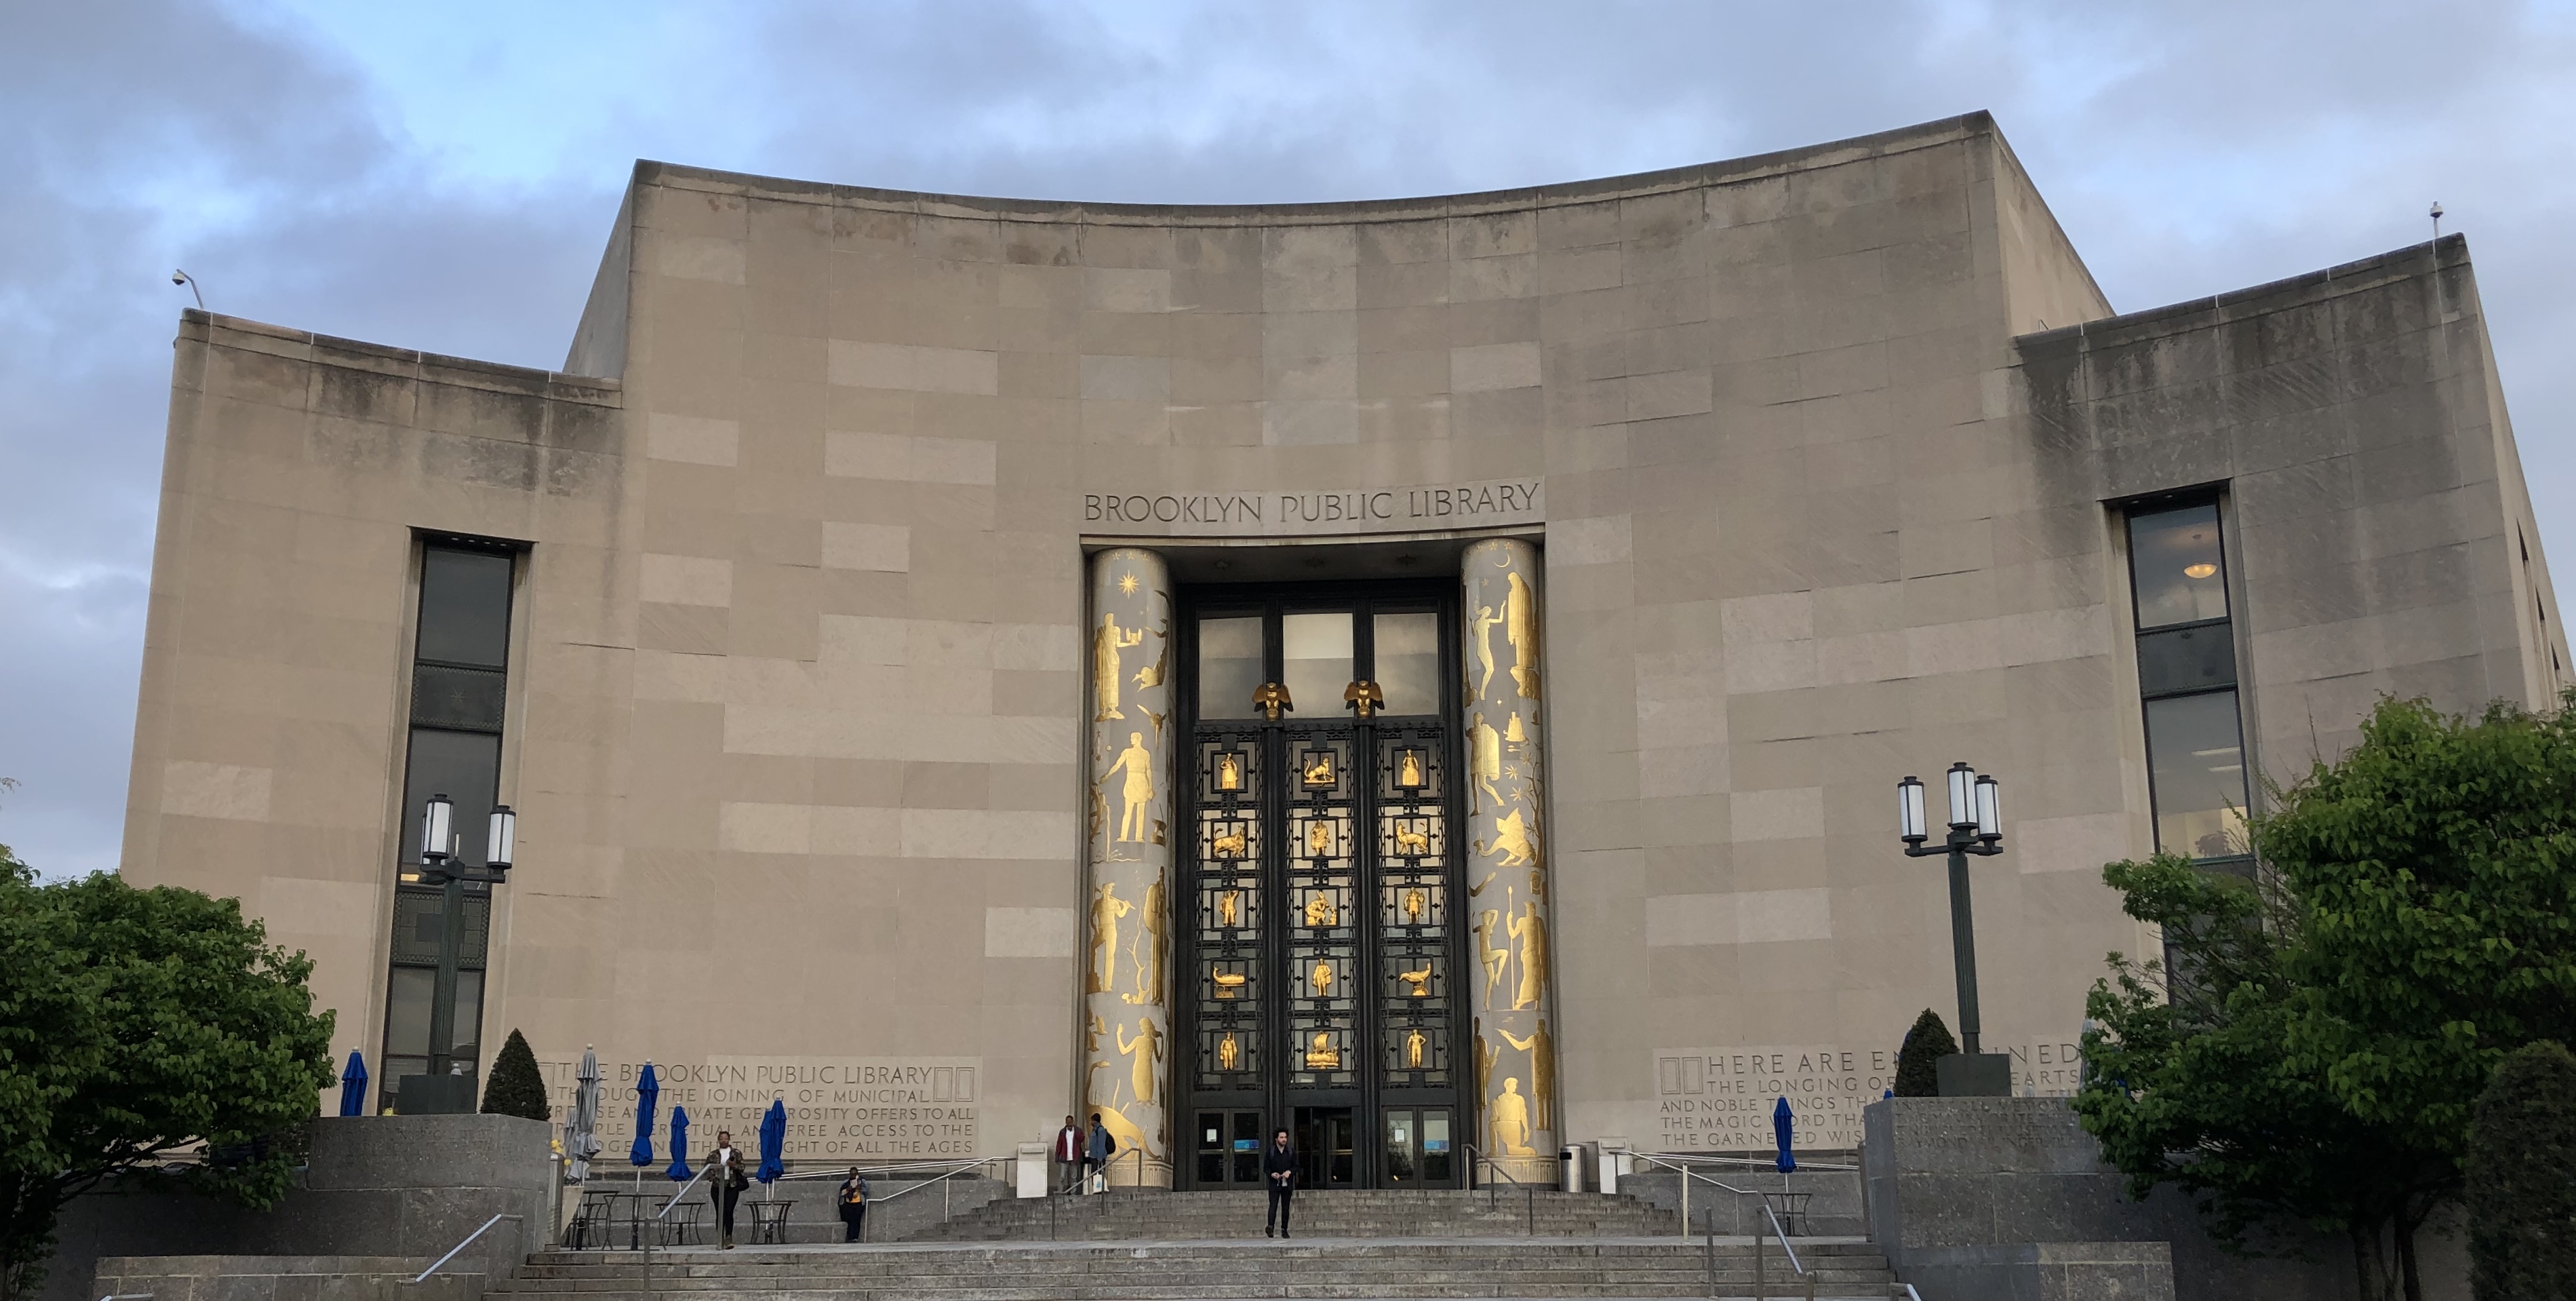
[
  {"x": 1095, "y": 1156},
  {"x": 854, "y": 1207}
]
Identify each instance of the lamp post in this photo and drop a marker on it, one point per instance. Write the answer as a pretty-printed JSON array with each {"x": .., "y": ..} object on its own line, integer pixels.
[
  {"x": 438, "y": 863},
  {"x": 1976, "y": 827}
]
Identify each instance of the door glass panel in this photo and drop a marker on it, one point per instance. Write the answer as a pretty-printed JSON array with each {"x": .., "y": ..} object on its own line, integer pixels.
[
  {"x": 1247, "y": 1147},
  {"x": 2175, "y": 566},
  {"x": 2195, "y": 756},
  {"x": 1408, "y": 662},
  {"x": 1435, "y": 1146},
  {"x": 1399, "y": 1147},
  {"x": 1316, "y": 654},
  {"x": 1229, "y": 666}
]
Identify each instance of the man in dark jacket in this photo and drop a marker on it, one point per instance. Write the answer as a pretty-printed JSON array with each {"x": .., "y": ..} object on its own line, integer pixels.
[
  {"x": 1096, "y": 1154},
  {"x": 1280, "y": 1164}
]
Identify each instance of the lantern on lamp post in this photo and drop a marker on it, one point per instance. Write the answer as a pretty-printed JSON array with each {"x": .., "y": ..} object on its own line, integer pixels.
[{"x": 1976, "y": 827}]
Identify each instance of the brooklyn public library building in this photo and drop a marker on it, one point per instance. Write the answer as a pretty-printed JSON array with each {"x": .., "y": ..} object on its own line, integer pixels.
[{"x": 1431, "y": 674}]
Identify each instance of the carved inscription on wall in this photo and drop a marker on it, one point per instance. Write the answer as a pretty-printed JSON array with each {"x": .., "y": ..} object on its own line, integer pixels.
[
  {"x": 1274, "y": 513},
  {"x": 1719, "y": 1099},
  {"x": 839, "y": 1109}
]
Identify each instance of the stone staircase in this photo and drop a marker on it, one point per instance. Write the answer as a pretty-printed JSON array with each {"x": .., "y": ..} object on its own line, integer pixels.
[
  {"x": 1226, "y": 1270},
  {"x": 1154, "y": 1215}
]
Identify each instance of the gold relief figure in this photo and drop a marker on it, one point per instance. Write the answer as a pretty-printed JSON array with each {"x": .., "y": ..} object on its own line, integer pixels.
[
  {"x": 1419, "y": 980},
  {"x": 1485, "y": 760},
  {"x": 1531, "y": 930},
  {"x": 1229, "y": 845},
  {"x": 1228, "y": 1053},
  {"x": 1229, "y": 906},
  {"x": 1106, "y": 674},
  {"x": 1408, "y": 769},
  {"x": 1271, "y": 697},
  {"x": 1510, "y": 1116},
  {"x": 1322, "y": 1054},
  {"x": 1320, "y": 910},
  {"x": 1106, "y": 909},
  {"x": 1364, "y": 697},
  {"x": 1319, "y": 768},
  {"x": 1515, "y": 736},
  {"x": 1322, "y": 979},
  {"x": 1485, "y": 621},
  {"x": 1478, "y": 889},
  {"x": 1091, "y": 1053},
  {"x": 1152, "y": 674},
  {"x": 1135, "y": 819},
  {"x": 1229, "y": 771},
  {"x": 1415, "y": 903},
  {"x": 1410, "y": 841},
  {"x": 1542, "y": 1068},
  {"x": 1228, "y": 983},
  {"x": 1486, "y": 1055},
  {"x": 1144, "y": 1052},
  {"x": 1512, "y": 841},
  {"x": 1319, "y": 840},
  {"x": 1150, "y": 971},
  {"x": 1488, "y": 929},
  {"x": 1413, "y": 1042},
  {"x": 1520, "y": 628}
]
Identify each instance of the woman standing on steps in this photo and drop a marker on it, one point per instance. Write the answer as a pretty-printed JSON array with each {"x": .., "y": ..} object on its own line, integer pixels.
[
  {"x": 727, "y": 1175},
  {"x": 1280, "y": 1164},
  {"x": 854, "y": 1206}
]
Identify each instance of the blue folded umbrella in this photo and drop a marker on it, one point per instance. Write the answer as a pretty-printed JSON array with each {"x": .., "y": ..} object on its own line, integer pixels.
[
  {"x": 773, "y": 1141},
  {"x": 679, "y": 1170},
  {"x": 647, "y": 1092},
  {"x": 1780, "y": 1131},
  {"x": 353, "y": 1085}
]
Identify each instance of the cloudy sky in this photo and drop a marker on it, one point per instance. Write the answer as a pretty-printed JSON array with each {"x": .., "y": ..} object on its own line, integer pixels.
[{"x": 442, "y": 177}]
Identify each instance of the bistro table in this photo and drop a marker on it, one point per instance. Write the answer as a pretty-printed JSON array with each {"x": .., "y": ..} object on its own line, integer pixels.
[{"x": 769, "y": 1220}]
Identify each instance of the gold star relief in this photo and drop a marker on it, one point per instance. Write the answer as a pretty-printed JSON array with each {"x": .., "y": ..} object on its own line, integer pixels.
[{"x": 1127, "y": 583}]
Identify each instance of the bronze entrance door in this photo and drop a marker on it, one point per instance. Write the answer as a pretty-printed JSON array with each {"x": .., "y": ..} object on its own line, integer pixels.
[{"x": 1321, "y": 875}]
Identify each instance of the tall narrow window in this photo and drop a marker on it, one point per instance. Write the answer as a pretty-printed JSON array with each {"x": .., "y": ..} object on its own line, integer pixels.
[
  {"x": 2187, "y": 675},
  {"x": 459, "y": 680}
]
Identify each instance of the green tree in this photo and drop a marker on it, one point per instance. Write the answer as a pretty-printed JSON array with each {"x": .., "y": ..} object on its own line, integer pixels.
[
  {"x": 135, "y": 1026},
  {"x": 2413, "y": 920},
  {"x": 2522, "y": 1178},
  {"x": 517, "y": 1088},
  {"x": 1917, "y": 1059}
]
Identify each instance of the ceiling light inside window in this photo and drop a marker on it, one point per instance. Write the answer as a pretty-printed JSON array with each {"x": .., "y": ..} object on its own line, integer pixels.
[{"x": 2199, "y": 569}]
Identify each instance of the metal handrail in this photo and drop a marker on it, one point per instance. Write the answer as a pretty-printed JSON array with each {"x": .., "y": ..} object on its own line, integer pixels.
[
  {"x": 1756, "y": 1162},
  {"x": 1529, "y": 1193},
  {"x": 451, "y": 1252},
  {"x": 644, "y": 1276},
  {"x": 1768, "y": 1213}
]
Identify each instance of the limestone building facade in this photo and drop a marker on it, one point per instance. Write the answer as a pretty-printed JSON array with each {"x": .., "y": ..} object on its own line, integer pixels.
[{"x": 1432, "y": 672}]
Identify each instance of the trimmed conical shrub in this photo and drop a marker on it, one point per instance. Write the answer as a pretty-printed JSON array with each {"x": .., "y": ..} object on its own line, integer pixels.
[
  {"x": 1928, "y": 1042},
  {"x": 2521, "y": 1177},
  {"x": 516, "y": 1089}
]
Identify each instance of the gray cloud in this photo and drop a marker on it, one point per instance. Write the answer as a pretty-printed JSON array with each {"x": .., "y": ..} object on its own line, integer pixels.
[{"x": 324, "y": 181}]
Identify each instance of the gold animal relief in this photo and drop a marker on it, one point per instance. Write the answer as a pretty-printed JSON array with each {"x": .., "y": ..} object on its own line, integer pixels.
[
  {"x": 1317, "y": 770},
  {"x": 1229, "y": 845},
  {"x": 1410, "y": 841},
  {"x": 1420, "y": 981},
  {"x": 1228, "y": 983}
]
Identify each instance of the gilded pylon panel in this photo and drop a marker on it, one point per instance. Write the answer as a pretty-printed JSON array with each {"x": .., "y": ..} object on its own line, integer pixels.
[
  {"x": 1126, "y": 977},
  {"x": 1507, "y": 860}
]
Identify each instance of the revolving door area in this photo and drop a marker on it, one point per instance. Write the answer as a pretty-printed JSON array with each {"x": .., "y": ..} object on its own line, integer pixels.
[{"x": 1317, "y": 919}]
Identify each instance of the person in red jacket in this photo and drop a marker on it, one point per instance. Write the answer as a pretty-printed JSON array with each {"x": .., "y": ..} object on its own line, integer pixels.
[{"x": 1068, "y": 1156}]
